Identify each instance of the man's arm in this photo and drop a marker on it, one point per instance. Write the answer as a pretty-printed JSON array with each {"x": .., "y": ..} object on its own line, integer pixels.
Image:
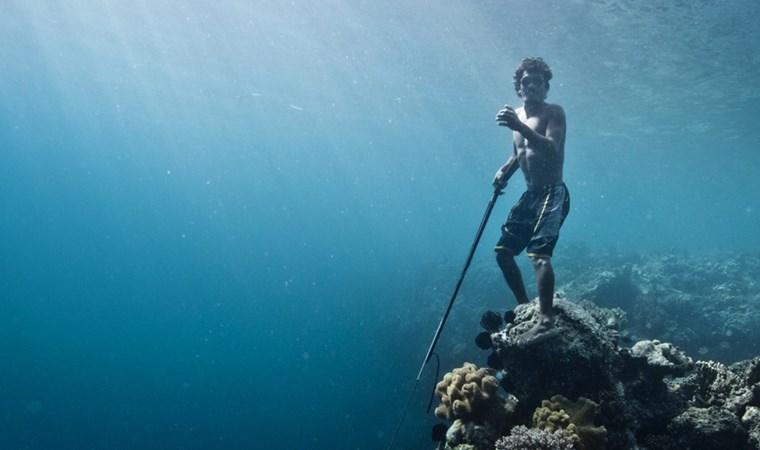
[
  {"x": 506, "y": 171},
  {"x": 555, "y": 131},
  {"x": 555, "y": 128}
]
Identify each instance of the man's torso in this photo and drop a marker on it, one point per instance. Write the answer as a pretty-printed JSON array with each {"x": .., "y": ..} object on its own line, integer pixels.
[{"x": 541, "y": 168}]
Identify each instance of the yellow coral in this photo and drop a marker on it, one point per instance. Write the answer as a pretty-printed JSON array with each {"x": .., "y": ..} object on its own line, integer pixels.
[
  {"x": 442, "y": 411},
  {"x": 461, "y": 408},
  {"x": 490, "y": 384},
  {"x": 465, "y": 392},
  {"x": 575, "y": 417},
  {"x": 550, "y": 420}
]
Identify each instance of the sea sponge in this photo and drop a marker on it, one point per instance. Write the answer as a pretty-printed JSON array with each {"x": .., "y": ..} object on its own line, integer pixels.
[
  {"x": 466, "y": 392},
  {"x": 575, "y": 417}
]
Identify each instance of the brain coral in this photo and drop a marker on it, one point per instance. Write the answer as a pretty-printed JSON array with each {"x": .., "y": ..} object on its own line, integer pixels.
[{"x": 466, "y": 393}]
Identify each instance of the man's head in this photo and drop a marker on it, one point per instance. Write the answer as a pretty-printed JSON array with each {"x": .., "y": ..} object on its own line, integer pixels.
[{"x": 532, "y": 79}]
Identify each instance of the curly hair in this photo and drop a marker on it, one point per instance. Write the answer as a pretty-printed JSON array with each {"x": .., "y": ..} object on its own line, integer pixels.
[{"x": 536, "y": 65}]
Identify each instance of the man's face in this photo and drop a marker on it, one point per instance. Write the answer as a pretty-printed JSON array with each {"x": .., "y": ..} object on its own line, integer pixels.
[{"x": 532, "y": 87}]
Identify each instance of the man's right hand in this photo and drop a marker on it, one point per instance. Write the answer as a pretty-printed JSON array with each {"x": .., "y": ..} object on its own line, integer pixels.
[
  {"x": 507, "y": 117},
  {"x": 499, "y": 180}
]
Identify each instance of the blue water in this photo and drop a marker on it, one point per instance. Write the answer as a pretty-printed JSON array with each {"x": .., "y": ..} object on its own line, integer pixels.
[{"x": 216, "y": 215}]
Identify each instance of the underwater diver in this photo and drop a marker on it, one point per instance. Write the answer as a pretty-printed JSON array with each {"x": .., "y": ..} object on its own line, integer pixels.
[{"x": 534, "y": 221}]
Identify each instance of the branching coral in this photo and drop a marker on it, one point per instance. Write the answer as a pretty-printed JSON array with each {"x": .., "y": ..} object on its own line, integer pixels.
[
  {"x": 466, "y": 392},
  {"x": 577, "y": 418},
  {"x": 523, "y": 438}
]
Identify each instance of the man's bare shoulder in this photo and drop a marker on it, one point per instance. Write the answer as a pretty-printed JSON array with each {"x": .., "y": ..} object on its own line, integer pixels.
[{"x": 555, "y": 110}]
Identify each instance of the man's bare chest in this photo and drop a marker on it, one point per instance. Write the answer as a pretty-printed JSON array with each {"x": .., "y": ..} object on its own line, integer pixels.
[{"x": 536, "y": 123}]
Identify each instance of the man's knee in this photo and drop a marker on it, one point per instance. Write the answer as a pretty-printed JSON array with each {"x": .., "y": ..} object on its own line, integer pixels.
[
  {"x": 504, "y": 257},
  {"x": 506, "y": 260},
  {"x": 541, "y": 262}
]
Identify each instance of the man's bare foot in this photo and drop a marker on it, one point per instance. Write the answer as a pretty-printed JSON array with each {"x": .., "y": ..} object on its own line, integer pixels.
[{"x": 542, "y": 331}]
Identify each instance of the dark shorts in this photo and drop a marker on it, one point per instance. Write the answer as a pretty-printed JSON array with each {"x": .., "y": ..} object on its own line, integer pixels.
[{"x": 534, "y": 221}]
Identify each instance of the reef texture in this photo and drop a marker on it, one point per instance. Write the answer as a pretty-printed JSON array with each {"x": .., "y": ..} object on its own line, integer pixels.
[
  {"x": 577, "y": 418},
  {"x": 585, "y": 348},
  {"x": 522, "y": 438},
  {"x": 706, "y": 305},
  {"x": 649, "y": 396},
  {"x": 463, "y": 435},
  {"x": 751, "y": 421},
  {"x": 662, "y": 357},
  {"x": 469, "y": 397},
  {"x": 469, "y": 393}
]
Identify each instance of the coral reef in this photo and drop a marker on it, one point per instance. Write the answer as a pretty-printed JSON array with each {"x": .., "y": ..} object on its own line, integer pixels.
[
  {"x": 577, "y": 418},
  {"x": 706, "y": 305},
  {"x": 523, "y": 438},
  {"x": 732, "y": 387},
  {"x": 751, "y": 421},
  {"x": 662, "y": 357},
  {"x": 723, "y": 401},
  {"x": 651, "y": 395},
  {"x": 546, "y": 418},
  {"x": 709, "y": 429},
  {"x": 469, "y": 398},
  {"x": 629, "y": 331},
  {"x": 468, "y": 393},
  {"x": 470, "y": 436},
  {"x": 532, "y": 372}
]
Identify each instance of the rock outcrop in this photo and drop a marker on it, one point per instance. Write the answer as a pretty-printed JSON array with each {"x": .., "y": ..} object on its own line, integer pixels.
[{"x": 650, "y": 395}]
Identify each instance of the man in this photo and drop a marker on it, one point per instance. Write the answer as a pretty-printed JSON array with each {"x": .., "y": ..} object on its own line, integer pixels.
[{"x": 538, "y": 134}]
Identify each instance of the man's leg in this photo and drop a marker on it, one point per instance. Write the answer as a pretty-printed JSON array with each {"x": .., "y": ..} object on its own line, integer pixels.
[
  {"x": 545, "y": 234},
  {"x": 544, "y": 328},
  {"x": 545, "y": 284},
  {"x": 512, "y": 275}
]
